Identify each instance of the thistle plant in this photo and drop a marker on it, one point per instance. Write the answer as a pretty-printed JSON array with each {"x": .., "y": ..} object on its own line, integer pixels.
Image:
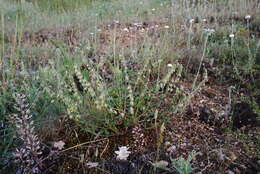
[
  {"x": 28, "y": 155},
  {"x": 184, "y": 166},
  {"x": 179, "y": 165}
]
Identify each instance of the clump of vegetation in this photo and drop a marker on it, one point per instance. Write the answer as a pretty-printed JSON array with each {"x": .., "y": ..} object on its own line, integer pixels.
[
  {"x": 28, "y": 155},
  {"x": 158, "y": 80}
]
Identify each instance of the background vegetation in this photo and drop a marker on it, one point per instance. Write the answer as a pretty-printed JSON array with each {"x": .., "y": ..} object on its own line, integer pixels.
[{"x": 175, "y": 81}]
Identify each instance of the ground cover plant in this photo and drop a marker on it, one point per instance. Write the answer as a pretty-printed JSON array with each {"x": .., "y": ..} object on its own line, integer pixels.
[{"x": 151, "y": 86}]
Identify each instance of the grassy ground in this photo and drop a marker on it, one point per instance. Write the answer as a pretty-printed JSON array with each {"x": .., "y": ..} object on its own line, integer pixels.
[{"x": 177, "y": 82}]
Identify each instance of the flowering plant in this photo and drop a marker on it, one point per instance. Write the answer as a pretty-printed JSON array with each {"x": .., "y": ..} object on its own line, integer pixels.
[{"x": 122, "y": 153}]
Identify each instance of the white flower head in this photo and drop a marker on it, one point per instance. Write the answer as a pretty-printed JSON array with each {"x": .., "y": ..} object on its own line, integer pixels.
[
  {"x": 231, "y": 35},
  {"x": 169, "y": 65},
  {"x": 153, "y": 9},
  {"x": 123, "y": 153},
  {"x": 204, "y": 20},
  {"x": 125, "y": 30},
  {"x": 166, "y": 27},
  {"x": 247, "y": 17},
  {"x": 191, "y": 21}
]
